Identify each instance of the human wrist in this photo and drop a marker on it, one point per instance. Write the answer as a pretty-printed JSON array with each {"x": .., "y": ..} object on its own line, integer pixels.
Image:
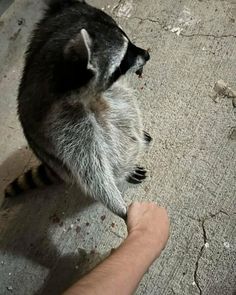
[{"x": 145, "y": 240}]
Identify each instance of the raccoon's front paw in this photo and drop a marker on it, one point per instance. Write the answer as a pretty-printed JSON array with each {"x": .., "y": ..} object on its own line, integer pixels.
[
  {"x": 137, "y": 176},
  {"x": 147, "y": 137}
]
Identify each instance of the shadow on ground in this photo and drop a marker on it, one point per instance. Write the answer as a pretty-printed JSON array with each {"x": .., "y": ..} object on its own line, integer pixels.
[{"x": 26, "y": 229}]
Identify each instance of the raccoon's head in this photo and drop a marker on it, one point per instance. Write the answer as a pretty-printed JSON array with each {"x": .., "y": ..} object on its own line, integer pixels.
[{"x": 99, "y": 52}]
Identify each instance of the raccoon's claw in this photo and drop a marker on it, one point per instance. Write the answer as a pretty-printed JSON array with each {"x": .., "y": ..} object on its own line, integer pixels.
[
  {"x": 147, "y": 137},
  {"x": 139, "y": 72},
  {"x": 140, "y": 170},
  {"x": 137, "y": 176}
]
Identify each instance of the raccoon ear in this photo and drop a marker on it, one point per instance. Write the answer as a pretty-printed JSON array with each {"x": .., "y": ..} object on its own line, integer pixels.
[{"x": 79, "y": 49}]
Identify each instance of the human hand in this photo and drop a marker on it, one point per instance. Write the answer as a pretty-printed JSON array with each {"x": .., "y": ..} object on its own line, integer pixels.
[{"x": 150, "y": 223}]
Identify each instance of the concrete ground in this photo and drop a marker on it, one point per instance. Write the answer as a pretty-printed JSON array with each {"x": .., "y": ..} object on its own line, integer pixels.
[{"x": 50, "y": 238}]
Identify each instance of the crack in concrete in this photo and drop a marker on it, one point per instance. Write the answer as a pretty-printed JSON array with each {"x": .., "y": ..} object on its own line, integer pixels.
[
  {"x": 165, "y": 27},
  {"x": 211, "y": 215},
  {"x": 195, "y": 275},
  {"x": 150, "y": 20},
  {"x": 204, "y": 234},
  {"x": 117, "y": 6},
  {"x": 208, "y": 35}
]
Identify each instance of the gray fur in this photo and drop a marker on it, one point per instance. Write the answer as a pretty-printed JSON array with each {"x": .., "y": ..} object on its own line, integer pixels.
[
  {"x": 92, "y": 135},
  {"x": 106, "y": 149}
]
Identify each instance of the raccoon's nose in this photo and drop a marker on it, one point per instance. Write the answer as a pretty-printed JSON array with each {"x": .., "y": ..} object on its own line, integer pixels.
[{"x": 146, "y": 55}]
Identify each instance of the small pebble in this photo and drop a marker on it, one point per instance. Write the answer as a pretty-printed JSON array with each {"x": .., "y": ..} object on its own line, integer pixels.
[
  {"x": 215, "y": 98},
  {"x": 226, "y": 245},
  {"x": 9, "y": 288},
  {"x": 193, "y": 284},
  {"x": 103, "y": 217},
  {"x": 2, "y": 262},
  {"x": 232, "y": 134},
  {"x": 222, "y": 88},
  {"x": 87, "y": 223},
  {"x": 72, "y": 225},
  {"x": 207, "y": 245},
  {"x": 78, "y": 229},
  {"x": 76, "y": 267},
  {"x": 21, "y": 21},
  {"x": 9, "y": 273},
  {"x": 176, "y": 30},
  {"x": 113, "y": 224}
]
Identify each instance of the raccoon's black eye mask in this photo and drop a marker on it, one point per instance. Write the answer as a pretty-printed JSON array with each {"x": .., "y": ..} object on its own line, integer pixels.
[{"x": 127, "y": 62}]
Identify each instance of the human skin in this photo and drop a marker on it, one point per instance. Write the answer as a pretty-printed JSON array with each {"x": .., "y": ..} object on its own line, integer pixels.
[{"x": 121, "y": 272}]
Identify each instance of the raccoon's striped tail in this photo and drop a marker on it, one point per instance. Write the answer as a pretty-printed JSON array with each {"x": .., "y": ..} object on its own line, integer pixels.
[{"x": 36, "y": 177}]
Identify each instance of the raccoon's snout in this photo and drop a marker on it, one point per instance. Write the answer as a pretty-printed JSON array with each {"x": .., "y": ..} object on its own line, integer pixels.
[
  {"x": 144, "y": 54},
  {"x": 143, "y": 57}
]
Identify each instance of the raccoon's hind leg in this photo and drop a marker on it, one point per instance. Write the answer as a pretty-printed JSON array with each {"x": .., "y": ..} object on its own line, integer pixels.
[{"x": 137, "y": 176}]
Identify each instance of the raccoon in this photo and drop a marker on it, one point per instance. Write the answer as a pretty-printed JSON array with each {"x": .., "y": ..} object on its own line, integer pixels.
[{"x": 78, "y": 114}]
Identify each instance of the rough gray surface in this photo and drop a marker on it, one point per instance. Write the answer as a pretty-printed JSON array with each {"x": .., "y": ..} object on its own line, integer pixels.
[{"x": 50, "y": 238}]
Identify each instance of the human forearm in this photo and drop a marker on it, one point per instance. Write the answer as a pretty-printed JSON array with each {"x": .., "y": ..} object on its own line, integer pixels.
[{"x": 121, "y": 272}]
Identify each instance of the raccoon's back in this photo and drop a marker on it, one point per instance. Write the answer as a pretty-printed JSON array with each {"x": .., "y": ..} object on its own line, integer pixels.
[{"x": 43, "y": 69}]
